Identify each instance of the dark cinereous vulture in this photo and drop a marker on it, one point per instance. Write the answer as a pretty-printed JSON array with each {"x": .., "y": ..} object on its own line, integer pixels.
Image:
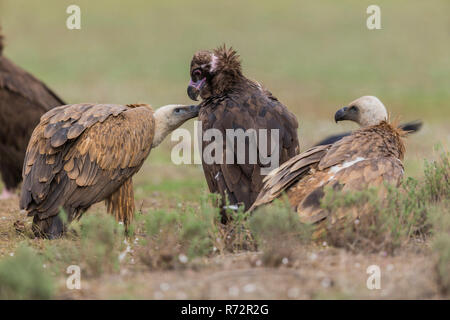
[
  {"x": 232, "y": 101},
  {"x": 84, "y": 153},
  {"x": 23, "y": 99},
  {"x": 368, "y": 157}
]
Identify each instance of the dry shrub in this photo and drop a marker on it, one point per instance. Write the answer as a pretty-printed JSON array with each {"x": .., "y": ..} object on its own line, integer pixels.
[
  {"x": 441, "y": 244},
  {"x": 94, "y": 243},
  {"x": 23, "y": 276},
  {"x": 171, "y": 239},
  {"x": 235, "y": 235},
  {"x": 278, "y": 233},
  {"x": 386, "y": 223}
]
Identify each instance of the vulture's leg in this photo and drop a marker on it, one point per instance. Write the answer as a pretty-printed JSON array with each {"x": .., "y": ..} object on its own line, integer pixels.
[
  {"x": 121, "y": 203},
  {"x": 6, "y": 194},
  {"x": 12, "y": 175},
  {"x": 50, "y": 228}
]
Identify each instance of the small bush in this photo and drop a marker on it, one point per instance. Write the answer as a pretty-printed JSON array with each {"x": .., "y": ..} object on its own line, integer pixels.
[
  {"x": 441, "y": 244},
  {"x": 94, "y": 243},
  {"x": 171, "y": 238},
  {"x": 101, "y": 240},
  {"x": 24, "y": 277},
  {"x": 278, "y": 232},
  {"x": 383, "y": 219},
  {"x": 437, "y": 177},
  {"x": 235, "y": 235}
]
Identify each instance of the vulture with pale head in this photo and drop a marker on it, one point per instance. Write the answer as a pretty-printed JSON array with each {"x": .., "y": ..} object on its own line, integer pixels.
[
  {"x": 84, "y": 153},
  {"x": 23, "y": 100},
  {"x": 369, "y": 157},
  {"x": 231, "y": 101}
]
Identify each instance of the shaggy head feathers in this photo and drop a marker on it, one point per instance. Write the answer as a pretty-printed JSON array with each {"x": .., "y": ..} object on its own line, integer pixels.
[
  {"x": 226, "y": 60},
  {"x": 220, "y": 67}
]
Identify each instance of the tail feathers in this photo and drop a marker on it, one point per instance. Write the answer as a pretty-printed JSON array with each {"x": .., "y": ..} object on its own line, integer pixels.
[
  {"x": 121, "y": 203},
  {"x": 332, "y": 139},
  {"x": 409, "y": 127},
  {"x": 412, "y": 126}
]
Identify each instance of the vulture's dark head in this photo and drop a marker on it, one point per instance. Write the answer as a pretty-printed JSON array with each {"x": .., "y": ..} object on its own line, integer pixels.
[{"x": 213, "y": 72}]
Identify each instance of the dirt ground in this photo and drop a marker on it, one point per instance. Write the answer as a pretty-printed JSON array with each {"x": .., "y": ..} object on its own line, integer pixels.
[
  {"x": 315, "y": 56},
  {"x": 314, "y": 272}
]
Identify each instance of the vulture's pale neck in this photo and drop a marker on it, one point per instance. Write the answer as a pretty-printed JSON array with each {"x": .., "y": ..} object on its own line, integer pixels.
[
  {"x": 167, "y": 120},
  {"x": 162, "y": 128}
]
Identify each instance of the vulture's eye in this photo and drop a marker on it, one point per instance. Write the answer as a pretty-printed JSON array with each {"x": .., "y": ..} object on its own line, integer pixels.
[
  {"x": 353, "y": 109},
  {"x": 178, "y": 110},
  {"x": 197, "y": 72}
]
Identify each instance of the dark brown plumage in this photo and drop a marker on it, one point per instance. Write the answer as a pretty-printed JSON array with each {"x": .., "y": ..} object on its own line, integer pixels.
[
  {"x": 368, "y": 157},
  {"x": 23, "y": 99},
  {"x": 231, "y": 101},
  {"x": 85, "y": 153}
]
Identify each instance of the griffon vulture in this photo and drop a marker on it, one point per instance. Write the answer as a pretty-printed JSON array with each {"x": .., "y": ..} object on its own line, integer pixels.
[
  {"x": 84, "y": 153},
  {"x": 368, "y": 157},
  {"x": 23, "y": 100},
  {"x": 232, "y": 101}
]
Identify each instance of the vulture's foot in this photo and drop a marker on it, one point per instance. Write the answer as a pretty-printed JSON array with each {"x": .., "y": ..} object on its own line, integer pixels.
[
  {"x": 50, "y": 228},
  {"x": 7, "y": 194}
]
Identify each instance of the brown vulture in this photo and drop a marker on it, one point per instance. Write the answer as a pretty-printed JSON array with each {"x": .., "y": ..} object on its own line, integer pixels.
[
  {"x": 23, "y": 100},
  {"x": 368, "y": 157},
  {"x": 84, "y": 153},
  {"x": 230, "y": 101}
]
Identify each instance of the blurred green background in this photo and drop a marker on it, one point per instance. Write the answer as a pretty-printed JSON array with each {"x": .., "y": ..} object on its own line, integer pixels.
[{"x": 315, "y": 56}]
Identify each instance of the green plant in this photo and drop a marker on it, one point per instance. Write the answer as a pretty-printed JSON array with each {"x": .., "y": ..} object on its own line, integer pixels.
[
  {"x": 23, "y": 276},
  {"x": 171, "y": 238},
  {"x": 278, "y": 231},
  {"x": 94, "y": 243},
  {"x": 441, "y": 243},
  {"x": 385, "y": 218}
]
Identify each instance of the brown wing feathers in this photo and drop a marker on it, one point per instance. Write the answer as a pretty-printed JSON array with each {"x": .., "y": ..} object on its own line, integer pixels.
[
  {"x": 368, "y": 157},
  {"x": 81, "y": 154},
  {"x": 288, "y": 173}
]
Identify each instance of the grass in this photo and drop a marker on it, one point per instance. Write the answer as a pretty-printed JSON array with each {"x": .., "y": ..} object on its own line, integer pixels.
[
  {"x": 387, "y": 218},
  {"x": 278, "y": 233},
  {"x": 23, "y": 276},
  {"x": 172, "y": 239},
  {"x": 94, "y": 244},
  {"x": 315, "y": 56},
  {"x": 189, "y": 238}
]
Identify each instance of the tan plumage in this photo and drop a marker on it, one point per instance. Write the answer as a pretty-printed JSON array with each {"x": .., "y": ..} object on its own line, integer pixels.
[
  {"x": 23, "y": 100},
  {"x": 368, "y": 157},
  {"x": 232, "y": 101},
  {"x": 85, "y": 153}
]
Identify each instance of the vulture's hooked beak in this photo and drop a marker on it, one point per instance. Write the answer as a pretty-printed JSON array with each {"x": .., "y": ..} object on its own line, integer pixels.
[
  {"x": 194, "y": 88},
  {"x": 185, "y": 112},
  {"x": 193, "y": 110},
  {"x": 341, "y": 114}
]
